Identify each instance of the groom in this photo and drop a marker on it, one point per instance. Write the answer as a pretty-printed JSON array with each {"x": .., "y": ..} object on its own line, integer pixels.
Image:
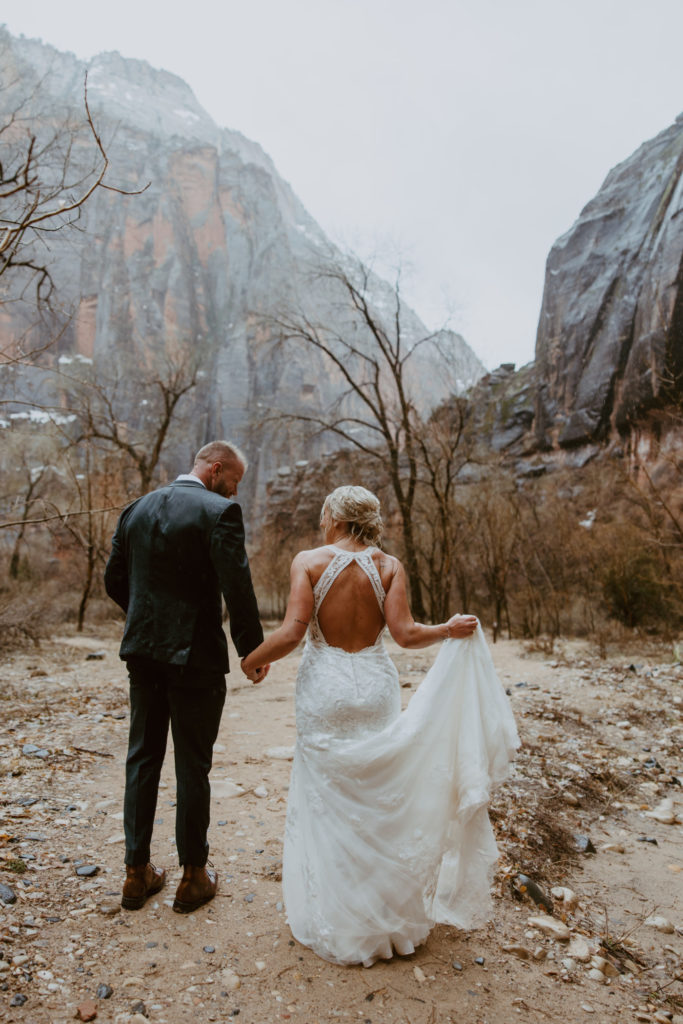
[{"x": 173, "y": 553}]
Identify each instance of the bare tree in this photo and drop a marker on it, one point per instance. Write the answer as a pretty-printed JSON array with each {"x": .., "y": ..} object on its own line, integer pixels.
[
  {"x": 133, "y": 417},
  {"x": 444, "y": 451},
  {"x": 42, "y": 190},
  {"x": 494, "y": 537},
  {"x": 27, "y": 472},
  {"x": 373, "y": 355}
]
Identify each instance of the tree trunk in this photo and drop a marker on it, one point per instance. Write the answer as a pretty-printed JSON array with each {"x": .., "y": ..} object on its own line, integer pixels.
[
  {"x": 416, "y": 603},
  {"x": 87, "y": 587}
]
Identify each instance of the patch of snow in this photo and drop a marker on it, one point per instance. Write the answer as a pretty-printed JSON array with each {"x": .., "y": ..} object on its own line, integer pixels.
[
  {"x": 41, "y": 416},
  {"x": 188, "y": 114}
]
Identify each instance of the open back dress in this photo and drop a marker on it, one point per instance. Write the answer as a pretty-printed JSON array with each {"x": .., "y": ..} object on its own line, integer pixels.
[{"x": 387, "y": 827}]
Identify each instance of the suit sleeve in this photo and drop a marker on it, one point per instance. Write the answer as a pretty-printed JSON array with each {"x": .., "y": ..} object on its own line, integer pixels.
[
  {"x": 229, "y": 559},
  {"x": 116, "y": 572}
]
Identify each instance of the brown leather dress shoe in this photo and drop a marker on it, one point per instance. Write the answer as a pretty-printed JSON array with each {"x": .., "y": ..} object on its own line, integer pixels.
[
  {"x": 197, "y": 887},
  {"x": 142, "y": 881}
]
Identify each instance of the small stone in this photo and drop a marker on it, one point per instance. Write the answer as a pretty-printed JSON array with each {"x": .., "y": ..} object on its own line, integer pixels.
[
  {"x": 664, "y": 812},
  {"x": 456, "y": 965},
  {"x": 571, "y": 798},
  {"x": 87, "y": 1010},
  {"x": 583, "y": 844},
  {"x": 578, "y": 949},
  {"x": 230, "y": 979},
  {"x": 662, "y": 924},
  {"x": 647, "y": 839},
  {"x": 95, "y": 656},
  {"x": 663, "y": 1017},
  {"x": 419, "y": 974},
  {"x": 587, "y": 1008},
  {"x": 540, "y": 953},
  {"x": 20, "y": 959},
  {"x": 209, "y": 949},
  {"x": 19, "y": 999},
  {"x": 139, "y": 1007},
  {"x": 261, "y": 792},
  {"x": 7, "y": 895},
  {"x": 260, "y": 965},
  {"x": 526, "y": 885},
  {"x": 109, "y": 909},
  {"x": 548, "y": 925},
  {"x": 521, "y": 951},
  {"x": 606, "y": 967},
  {"x": 87, "y": 870},
  {"x": 249, "y": 898},
  {"x": 479, "y": 960},
  {"x": 595, "y": 975},
  {"x": 613, "y": 848},
  {"x": 104, "y": 991},
  {"x": 569, "y": 963}
]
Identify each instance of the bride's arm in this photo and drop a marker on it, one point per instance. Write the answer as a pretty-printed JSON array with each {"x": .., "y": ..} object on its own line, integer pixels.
[
  {"x": 286, "y": 637},
  {"x": 409, "y": 633}
]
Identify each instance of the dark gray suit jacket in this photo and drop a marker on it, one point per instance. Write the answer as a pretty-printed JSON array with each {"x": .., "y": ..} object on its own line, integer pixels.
[{"x": 174, "y": 552}]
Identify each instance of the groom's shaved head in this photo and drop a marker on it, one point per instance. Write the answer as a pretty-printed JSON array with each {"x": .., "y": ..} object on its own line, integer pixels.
[{"x": 220, "y": 451}]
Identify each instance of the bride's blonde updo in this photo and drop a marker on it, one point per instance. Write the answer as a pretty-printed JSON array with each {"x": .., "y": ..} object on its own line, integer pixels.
[{"x": 357, "y": 508}]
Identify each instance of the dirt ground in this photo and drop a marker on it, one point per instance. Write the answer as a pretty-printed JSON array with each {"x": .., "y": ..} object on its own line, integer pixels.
[{"x": 602, "y": 749}]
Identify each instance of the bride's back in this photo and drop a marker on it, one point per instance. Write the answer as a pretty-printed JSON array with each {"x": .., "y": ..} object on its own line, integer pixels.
[{"x": 349, "y": 615}]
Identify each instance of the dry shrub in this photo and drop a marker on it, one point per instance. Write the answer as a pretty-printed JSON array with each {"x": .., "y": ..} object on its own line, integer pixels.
[{"x": 29, "y": 612}]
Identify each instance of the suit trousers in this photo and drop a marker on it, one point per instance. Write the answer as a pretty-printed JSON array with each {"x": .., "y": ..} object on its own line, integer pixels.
[{"x": 192, "y": 702}]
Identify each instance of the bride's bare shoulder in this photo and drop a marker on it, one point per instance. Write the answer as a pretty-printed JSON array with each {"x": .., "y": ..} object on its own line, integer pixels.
[
  {"x": 387, "y": 566},
  {"x": 313, "y": 558}
]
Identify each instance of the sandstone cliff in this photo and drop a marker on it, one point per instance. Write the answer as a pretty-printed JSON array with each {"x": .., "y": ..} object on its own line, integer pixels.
[{"x": 217, "y": 242}]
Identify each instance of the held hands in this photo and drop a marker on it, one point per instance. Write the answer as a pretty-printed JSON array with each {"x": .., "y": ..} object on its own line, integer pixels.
[
  {"x": 459, "y": 626},
  {"x": 255, "y": 674}
]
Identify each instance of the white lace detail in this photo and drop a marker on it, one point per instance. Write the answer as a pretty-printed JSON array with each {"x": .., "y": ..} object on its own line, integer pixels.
[
  {"x": 387, "y": 829},
  {"x": 332, "y": 571}
]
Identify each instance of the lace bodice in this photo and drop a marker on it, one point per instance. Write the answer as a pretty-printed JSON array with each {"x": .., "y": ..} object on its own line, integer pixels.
[
  {"x": 341, "y": 693},
  {"x": 333, "y": 570}
]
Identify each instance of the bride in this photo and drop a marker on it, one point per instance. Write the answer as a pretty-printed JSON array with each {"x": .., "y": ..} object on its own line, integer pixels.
[{"x": 387, "y": 828}]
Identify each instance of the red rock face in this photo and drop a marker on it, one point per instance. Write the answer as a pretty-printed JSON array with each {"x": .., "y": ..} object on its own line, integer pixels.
[
  {"x": 193, "y": 266},
  {"x": 610, "y": 335}
]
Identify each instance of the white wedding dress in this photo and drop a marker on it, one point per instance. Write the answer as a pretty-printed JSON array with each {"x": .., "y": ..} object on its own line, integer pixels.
[{"x": 387, "y": 827}]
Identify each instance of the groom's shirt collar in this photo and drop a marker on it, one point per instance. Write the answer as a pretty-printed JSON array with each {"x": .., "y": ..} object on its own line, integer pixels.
[{"x": 192, "y": 477}]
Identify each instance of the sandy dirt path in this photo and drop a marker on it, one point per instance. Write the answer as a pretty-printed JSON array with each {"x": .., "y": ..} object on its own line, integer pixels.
[{"x": 602, "y": 750}]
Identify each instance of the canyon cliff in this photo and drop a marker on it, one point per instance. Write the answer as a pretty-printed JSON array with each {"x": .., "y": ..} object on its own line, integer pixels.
[
  {"x": 198, "y": 265},
  {"x": 609, "y": 347},
  {"x": 608, "y": 368}
]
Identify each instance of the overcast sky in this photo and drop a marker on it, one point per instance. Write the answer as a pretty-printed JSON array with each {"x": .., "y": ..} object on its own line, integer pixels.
[{"x": 463, "y": 136}]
